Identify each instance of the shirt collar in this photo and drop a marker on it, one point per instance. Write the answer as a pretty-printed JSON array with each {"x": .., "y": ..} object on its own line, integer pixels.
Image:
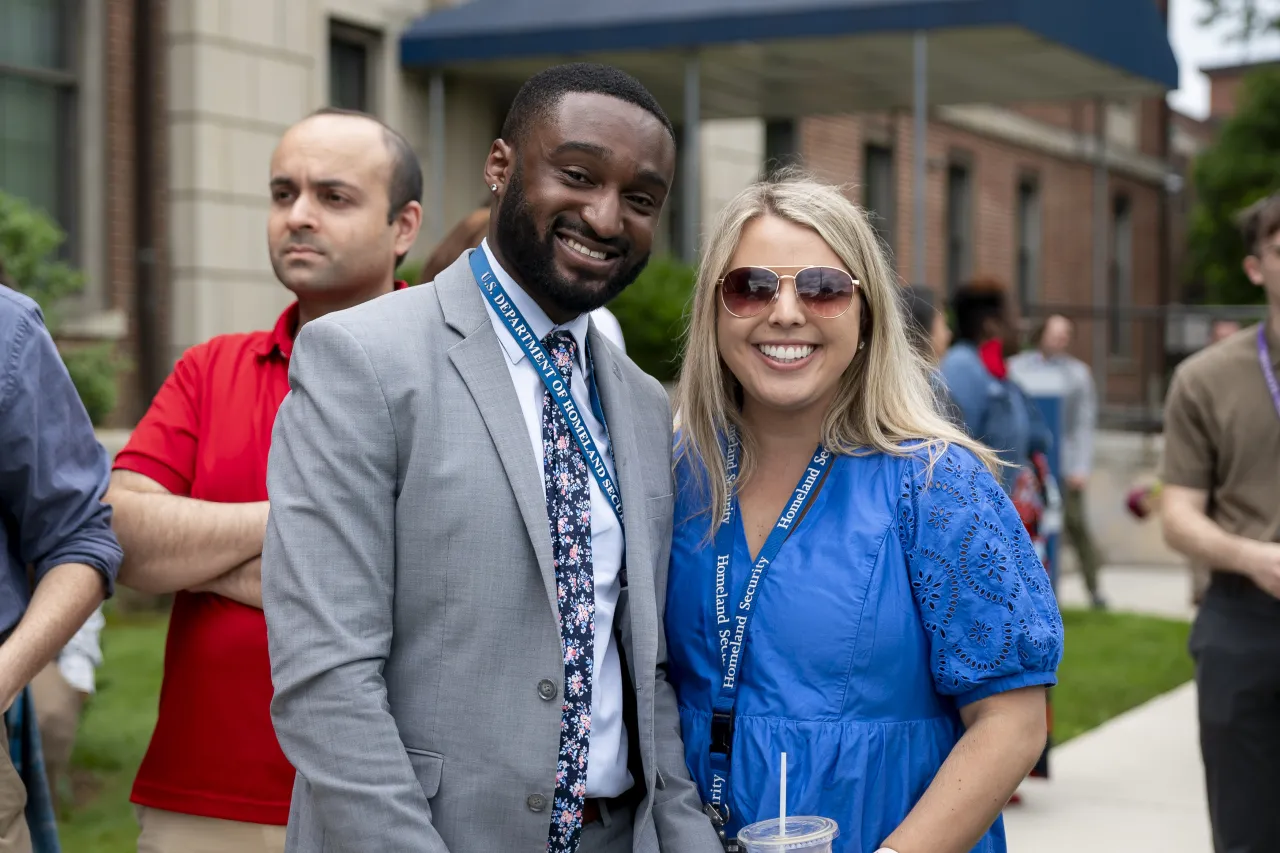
[
  {"x": 1273, "y": 342},
  {"x": 280, "y": 338},
  {"x": 539, "y": 323}
]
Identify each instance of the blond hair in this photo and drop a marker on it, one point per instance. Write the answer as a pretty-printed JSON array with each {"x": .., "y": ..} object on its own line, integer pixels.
[{"x": 885, "y": 403}]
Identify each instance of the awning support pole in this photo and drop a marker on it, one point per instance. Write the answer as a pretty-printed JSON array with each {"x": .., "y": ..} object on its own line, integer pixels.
[
  {"x": 691, "y": 158},
  {"x": 436, "y": 135},
  {"x": 920, "y": 164},
  {"x": 1101, "y": 182}
]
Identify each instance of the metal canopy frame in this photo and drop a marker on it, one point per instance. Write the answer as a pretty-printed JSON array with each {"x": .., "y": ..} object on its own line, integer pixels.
[{"x": 772, "y": 59}]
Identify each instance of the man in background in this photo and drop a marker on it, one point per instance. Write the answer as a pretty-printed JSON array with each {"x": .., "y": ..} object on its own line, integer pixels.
[
  {"x": 58, "y": 556},
  {"x": 190, "y": 489},
  {"x": 1050, "y": 366},
  {"x": 1220, "y": 507}
]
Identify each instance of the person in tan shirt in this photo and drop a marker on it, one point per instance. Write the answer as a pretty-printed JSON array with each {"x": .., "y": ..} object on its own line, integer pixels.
[{"x": 1220, "y": 507}]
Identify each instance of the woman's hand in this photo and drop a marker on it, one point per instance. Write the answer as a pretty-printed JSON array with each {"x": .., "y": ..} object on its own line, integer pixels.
[{"x": 1005, "y": 736}]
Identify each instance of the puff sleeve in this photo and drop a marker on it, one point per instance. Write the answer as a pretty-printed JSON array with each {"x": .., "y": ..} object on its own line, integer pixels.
[{"x": 983, "y": 596}]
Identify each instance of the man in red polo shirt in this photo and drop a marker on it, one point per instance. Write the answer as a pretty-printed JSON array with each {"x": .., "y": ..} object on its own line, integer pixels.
[{"x": 190, "y": 491}]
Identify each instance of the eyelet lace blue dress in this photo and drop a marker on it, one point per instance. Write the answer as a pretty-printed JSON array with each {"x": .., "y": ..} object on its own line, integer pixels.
[{"x": 896, "y": 601}]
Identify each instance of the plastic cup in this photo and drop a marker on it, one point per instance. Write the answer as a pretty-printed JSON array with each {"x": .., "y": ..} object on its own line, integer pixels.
[{"x": 804, "y": 835}]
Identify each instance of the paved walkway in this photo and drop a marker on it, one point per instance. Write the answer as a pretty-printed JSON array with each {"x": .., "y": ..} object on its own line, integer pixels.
[{"x": 1134, "y": 784}]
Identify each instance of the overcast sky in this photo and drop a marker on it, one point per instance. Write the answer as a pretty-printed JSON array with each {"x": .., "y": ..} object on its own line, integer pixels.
[{"x": 1197, "y": 47}]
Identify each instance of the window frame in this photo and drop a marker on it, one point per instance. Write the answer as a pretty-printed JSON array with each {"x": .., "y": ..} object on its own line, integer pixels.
[
  {"x": 1028, "y": 238},
  {"x": 68, "y": 85},
  {"x": 781, "y": 144},
  {"x": 959, "y": 261},
  {"x": 370, "y": 41},
  {"x": 1120, "y": 276},
  {"x": 885, "y": 221}
]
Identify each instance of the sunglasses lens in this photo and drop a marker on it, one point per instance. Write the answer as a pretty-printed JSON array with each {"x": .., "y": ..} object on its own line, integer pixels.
[
  {"x": 747, "y": 290},
  {"x": 825, "y": 291}
]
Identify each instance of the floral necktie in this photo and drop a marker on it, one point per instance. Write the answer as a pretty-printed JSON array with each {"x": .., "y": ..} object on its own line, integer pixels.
[{"x": 565, "y": 476}]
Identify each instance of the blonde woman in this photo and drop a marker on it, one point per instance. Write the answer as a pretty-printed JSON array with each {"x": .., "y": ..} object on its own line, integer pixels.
[{"x": 849, "y": 584}]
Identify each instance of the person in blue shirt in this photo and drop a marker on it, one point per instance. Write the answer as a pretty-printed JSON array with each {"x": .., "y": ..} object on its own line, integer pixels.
[
  {"x": 849, "y": 584},
  {"x": 58, "y": 556},
  {"x": 996, "y": 411}
]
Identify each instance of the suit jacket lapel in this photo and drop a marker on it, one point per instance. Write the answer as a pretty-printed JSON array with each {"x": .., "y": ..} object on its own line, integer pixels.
[{"x": 480, "y": 361}]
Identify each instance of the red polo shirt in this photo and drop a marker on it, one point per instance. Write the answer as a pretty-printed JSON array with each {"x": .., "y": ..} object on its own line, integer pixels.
[{"x": 214, "y": 751}]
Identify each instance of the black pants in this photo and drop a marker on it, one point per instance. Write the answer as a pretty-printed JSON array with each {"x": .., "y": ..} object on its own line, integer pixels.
[{"x": 1236, "y": 646}]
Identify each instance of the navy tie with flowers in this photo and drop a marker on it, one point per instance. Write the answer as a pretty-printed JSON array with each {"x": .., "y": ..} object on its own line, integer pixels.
[{"x": 565, "y": 476}]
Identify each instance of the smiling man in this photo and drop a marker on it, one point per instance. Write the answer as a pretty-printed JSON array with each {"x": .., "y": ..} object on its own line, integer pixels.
[
  {"x": 190, "y": 489},
  {"x": 465, "y": 621}
]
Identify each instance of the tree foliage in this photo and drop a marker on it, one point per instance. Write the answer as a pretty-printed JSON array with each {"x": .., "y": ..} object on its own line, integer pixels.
[
  {"x": 652, "y": 314},
  {"x": 1245, "y": 18},
  {"x": 1242, "y": 166},
  {"x": 29, "y": 245}
]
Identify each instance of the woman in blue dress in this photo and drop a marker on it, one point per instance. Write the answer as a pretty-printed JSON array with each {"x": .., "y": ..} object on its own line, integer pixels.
[{"x": 849, "y": 584}]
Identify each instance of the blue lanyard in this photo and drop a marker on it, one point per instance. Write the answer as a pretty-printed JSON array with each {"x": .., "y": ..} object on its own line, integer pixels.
[
  {"x": 551, "y": 378},
  {"x": 1268, "y": 372},
  {"x": 731, "y": 626}
]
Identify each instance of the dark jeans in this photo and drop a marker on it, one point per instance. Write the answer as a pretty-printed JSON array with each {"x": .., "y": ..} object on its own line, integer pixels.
[
  {"x": 1076, "y": 525},
  {"x": 1236, "y": 646}
]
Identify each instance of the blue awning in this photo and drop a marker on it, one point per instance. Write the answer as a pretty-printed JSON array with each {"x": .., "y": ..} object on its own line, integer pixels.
[{"x": 795, "y": 57}]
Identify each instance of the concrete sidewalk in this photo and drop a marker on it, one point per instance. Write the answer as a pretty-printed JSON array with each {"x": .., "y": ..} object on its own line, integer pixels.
[
  {"x": 1153, "y": 590},
  {"x": 1134, "y": 784}
]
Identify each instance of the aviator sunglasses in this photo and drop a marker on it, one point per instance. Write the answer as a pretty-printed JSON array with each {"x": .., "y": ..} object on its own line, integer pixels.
[{"x": 825, "y": 292}]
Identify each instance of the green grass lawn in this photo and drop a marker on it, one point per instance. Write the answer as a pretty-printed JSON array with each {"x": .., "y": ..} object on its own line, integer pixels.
[
  {"x": 113, "y": 735},
  {"x": 1112, "y": 663}
]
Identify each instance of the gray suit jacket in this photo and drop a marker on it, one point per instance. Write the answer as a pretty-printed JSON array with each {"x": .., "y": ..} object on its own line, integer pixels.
[{"x": 410, "y": 595}]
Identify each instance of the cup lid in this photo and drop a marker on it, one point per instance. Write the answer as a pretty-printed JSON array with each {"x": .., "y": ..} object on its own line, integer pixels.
[{"x": 802, "y": 831}]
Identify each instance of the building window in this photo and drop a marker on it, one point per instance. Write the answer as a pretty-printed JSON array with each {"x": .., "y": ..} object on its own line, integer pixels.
[
  {"x": 1028, "y": 259},
  {"x": 878, "y": 193},
  {"x": 959, "y": 225},
  {"x": 353, "y": 52},
  {"x": 1120, "y": 277},
  {"x": 781, "y": 145},
  {"x": 38, "y": 88}
]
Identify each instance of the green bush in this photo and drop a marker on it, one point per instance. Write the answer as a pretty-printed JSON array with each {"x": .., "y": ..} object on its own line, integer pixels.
[
  {"x": 29, "y": 243},
  {"x": 1241, "y": 167},
  {"x": 93, "y": 371},
  {"x": 653, "y": 312},
  {"x": 410, "y": 271}
]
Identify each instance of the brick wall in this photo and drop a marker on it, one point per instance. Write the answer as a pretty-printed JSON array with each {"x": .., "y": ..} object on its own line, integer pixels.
[
  {"x": 833, "y": 147},
  {"x": 121, "y": 197},
  {"x": 1224, "y": 89},
  {"x": 119, "y": 192}
]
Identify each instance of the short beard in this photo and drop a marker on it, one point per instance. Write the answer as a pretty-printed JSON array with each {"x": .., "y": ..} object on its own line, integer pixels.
[{"x": 532, "y": 256}]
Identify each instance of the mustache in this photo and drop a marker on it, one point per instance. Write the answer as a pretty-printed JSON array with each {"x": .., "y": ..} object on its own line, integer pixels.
[
  {"x": 302, "y": 239},
  {"x": 621, "y": 245}
]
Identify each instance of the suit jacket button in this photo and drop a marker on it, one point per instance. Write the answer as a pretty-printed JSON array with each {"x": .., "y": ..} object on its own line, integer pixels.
[
  {"x": 547, "y": 689},
  {"x": 536, "y": 802}
]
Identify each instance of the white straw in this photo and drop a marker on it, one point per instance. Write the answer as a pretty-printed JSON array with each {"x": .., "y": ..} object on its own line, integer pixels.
[{"x": 782, "y": 797}]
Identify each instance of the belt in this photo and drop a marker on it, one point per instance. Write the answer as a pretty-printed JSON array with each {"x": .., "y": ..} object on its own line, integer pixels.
[{"x": 590, "y": 811}]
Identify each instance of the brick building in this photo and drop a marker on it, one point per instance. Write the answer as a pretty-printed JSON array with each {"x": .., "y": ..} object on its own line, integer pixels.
[
  {"x": 82, "y": 137},
  {"x": 159, "y": 118},
  {"x": 1224, "y": 86},
  {"x": 1011, "y": 195}
]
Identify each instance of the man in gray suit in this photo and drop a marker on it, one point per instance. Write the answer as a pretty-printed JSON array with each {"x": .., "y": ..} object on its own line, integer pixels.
[{"x": 471, "y": 499}]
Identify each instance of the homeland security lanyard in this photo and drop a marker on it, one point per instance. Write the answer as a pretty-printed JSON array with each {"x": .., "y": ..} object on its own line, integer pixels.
[
  {"x": 731, "y": 627},
  {"x": 1268, "y": 371},
  {"x": 551, "y": 378}
]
